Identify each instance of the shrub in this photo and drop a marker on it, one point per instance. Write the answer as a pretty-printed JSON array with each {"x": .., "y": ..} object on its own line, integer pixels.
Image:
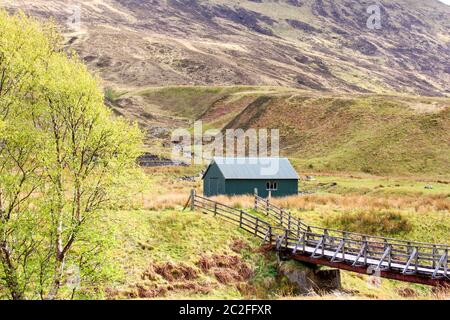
[{"x": 371, "y": 222}]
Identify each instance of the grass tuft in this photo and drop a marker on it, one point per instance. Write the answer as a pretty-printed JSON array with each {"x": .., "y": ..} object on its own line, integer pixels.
[{"x": 371, "y": 222}]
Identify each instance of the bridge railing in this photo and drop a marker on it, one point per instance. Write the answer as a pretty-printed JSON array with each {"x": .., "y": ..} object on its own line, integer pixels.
[
  {"x": 431, "y": 260},
  {"x": 281, "y": 217},
  {"x": 359, "y": 249}
]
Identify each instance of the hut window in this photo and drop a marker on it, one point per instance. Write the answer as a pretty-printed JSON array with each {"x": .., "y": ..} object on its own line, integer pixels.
[{"x": 272, "y": 186}]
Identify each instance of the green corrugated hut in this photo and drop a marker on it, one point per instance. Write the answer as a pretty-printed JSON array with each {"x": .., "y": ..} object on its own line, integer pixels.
[{"x": 241, "y": 176}]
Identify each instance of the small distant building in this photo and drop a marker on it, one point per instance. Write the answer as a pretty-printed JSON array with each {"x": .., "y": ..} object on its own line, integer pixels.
[{"x": 241, "y": 176}]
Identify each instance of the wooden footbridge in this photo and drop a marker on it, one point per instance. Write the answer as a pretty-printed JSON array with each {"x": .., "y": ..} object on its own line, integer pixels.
[{"x": 401, "y": 260}]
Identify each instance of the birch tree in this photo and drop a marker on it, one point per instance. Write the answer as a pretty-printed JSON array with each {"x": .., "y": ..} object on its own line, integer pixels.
[{"x": 62, "y": 154}]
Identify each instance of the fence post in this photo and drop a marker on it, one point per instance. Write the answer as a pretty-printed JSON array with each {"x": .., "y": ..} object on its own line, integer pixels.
[
  {"x": 304, "y": 240},
  {"x": 256, "y": 199},
  {"x": 390, "y": 256},
  {"x": 308, "y": 233},
  {"x": 215, "y": 209},
  {"x": 388, "y": 246},
  {"x": 270, "y": 234},
  {"x": 240, "y": 218},
  {"x": 267, "y": 207},
  {"x": 366, "y": 249},
  {"x": 417, "y": 259},
  {"x": 434, "y": 256},
  {"x": 192, "y": 199},
  {"x": 446, "y": 263},
  {"x": 325, "y": 237},
  {"x": 257, "y": 225},
  {"x": 344, "y": 237},
  {"x": 409, "y": 249}
]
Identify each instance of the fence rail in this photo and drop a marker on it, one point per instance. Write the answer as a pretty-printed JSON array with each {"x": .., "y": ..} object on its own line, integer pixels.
[
  {"x": 244, "y": 220},
  {"x": 283, "y": 218},
  {"x": 397, "y": 259}
]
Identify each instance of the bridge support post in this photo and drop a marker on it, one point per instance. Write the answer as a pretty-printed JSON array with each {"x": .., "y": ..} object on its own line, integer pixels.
[{"x": 305, "y": 278}]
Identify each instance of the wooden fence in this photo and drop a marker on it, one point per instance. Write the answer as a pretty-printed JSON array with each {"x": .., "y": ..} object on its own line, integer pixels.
[
  {"x": 244, "y": 220},
  {"x": 282, "y": 218}
]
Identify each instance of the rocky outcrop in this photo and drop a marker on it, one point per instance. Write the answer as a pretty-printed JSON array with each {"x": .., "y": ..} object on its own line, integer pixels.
[{"x": 306, "y": 279}]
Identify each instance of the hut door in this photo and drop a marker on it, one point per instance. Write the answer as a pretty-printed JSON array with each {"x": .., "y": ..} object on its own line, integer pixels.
[{"x": 214, "y": 186}]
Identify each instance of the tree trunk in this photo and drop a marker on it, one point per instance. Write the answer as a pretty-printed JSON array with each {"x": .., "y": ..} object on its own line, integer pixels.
[
  {"x": 11, "y": 280},
  {"x": 56, "y": 285},
  {"x": 59, "y": 251}
]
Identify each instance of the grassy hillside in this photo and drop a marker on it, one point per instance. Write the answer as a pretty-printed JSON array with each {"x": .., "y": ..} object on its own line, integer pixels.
[
  {"x": 174, "y": 254},
  {"x": 187, "y": 102},
  {"x": 369, "y": 134},
  {"x": 321, "y": 132},
  {"x": 160, "y": 254}
]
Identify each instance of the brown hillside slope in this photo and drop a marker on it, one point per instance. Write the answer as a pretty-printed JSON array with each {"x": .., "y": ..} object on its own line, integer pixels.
[{"x": 316, "y": 44}]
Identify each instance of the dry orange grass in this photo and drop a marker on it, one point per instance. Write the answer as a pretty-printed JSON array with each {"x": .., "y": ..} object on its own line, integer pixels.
[
  {"x": 168, "y": 201},
  {"x": 237, "y": 202},
  {"x": 364, "y": 202},
  {"x": 441, "y": 293},
  {"x": 421, "y": 204}
]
